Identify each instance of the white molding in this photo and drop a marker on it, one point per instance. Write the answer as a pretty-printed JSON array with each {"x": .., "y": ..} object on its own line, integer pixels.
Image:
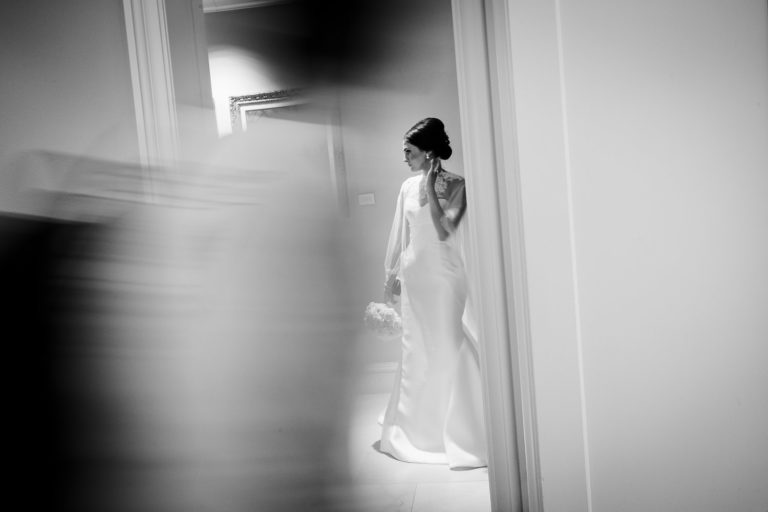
[
  {"x": 152, "y": 81},
  {"x": 496, "y": 256},
  {"x": 201, "y": 52},
  {"x": 336, "y": 160},
  {"x": 513, "y": 242},
  {"x": 574, "y": 260},
  {"x": 484, "y": 255}
]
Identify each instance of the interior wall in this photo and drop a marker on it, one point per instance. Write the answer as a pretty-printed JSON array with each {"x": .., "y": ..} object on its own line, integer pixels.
[
  {"x": 66, "y": 84},
  {"x": 395, "y": 65},
  {"x": 642, "y": 129},
  {"x": 253, "y": 51},
  {"x": 408, "y": 73}
]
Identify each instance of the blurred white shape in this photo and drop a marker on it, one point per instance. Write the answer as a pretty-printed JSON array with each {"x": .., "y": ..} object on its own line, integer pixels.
[{"x": 211, "y": 335}]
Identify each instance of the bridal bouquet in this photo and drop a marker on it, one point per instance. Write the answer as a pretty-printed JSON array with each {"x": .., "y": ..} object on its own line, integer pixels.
[{"x": 383, "y": 321}]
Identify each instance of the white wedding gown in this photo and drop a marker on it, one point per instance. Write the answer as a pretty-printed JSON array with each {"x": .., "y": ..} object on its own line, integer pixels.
[{"x": 435, "y": 412}]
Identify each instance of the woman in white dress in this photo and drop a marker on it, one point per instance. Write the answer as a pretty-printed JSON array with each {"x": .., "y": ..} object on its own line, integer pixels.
[{"x": 434, "y": 414}]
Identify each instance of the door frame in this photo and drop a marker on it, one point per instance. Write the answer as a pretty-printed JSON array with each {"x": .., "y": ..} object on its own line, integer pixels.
[
  {"x": 496, "y": 258},
  {"x": 496, "y": 261},
  {"x": 149, "y": 54}
]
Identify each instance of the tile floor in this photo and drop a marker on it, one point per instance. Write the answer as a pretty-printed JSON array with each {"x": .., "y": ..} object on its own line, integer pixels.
[{"x": 384, "y": 484}]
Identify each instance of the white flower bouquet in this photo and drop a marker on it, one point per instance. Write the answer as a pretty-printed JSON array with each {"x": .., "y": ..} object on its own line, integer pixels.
[{"x": 383, "y": 320}]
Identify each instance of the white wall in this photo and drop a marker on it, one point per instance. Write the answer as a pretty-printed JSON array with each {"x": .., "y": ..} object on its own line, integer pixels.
[
  {"x": 642, "y": 130},
  {"x": 253, "y": 51},
  {"x": 398, "y": 66},
  {"x": 410, "y": 75},
  {"x": 66, "y": 83}
]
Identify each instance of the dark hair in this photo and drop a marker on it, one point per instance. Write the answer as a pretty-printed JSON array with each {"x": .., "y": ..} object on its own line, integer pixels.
[{"x": 429, "y": 135}]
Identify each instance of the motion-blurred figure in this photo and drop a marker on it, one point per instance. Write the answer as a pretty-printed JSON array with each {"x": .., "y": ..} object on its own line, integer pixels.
[{"x": 196, "y": 339}]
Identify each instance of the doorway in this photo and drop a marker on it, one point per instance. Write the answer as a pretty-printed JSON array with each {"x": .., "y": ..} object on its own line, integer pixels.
[{"x": 363, "y": 100}]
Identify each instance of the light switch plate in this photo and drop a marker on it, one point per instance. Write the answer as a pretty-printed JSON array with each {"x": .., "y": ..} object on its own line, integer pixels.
[{"x": 366, "y": 199}]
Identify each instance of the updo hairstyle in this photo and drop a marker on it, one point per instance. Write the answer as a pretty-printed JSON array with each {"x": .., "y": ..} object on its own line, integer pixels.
[{"x": 429, "y": 135}]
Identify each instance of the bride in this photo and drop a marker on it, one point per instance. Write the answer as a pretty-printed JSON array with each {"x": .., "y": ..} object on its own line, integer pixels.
[{"x": 434, "y": 414}]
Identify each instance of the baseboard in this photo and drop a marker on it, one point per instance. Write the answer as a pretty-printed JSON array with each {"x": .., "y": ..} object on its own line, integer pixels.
[{"x": 378, "y": 377}]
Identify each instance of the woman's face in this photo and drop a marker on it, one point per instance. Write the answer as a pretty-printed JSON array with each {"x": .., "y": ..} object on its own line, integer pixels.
[{"x": 415, "y": 157}]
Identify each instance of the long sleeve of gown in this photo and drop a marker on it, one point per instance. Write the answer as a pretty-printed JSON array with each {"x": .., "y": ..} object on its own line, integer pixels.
[
  {"x": 456, "y": 204},
  {"x": 469, "y": 317},
  {"x": 396, "y": 242}
]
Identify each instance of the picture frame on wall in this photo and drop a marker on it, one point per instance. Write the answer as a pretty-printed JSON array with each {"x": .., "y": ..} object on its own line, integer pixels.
[
  {"x": 296, "y": 105},
  {"x": 251, "y": 107}
]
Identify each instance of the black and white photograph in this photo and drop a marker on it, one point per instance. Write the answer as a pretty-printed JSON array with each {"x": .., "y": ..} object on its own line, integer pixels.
[{"x": 385, "y": 255}]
